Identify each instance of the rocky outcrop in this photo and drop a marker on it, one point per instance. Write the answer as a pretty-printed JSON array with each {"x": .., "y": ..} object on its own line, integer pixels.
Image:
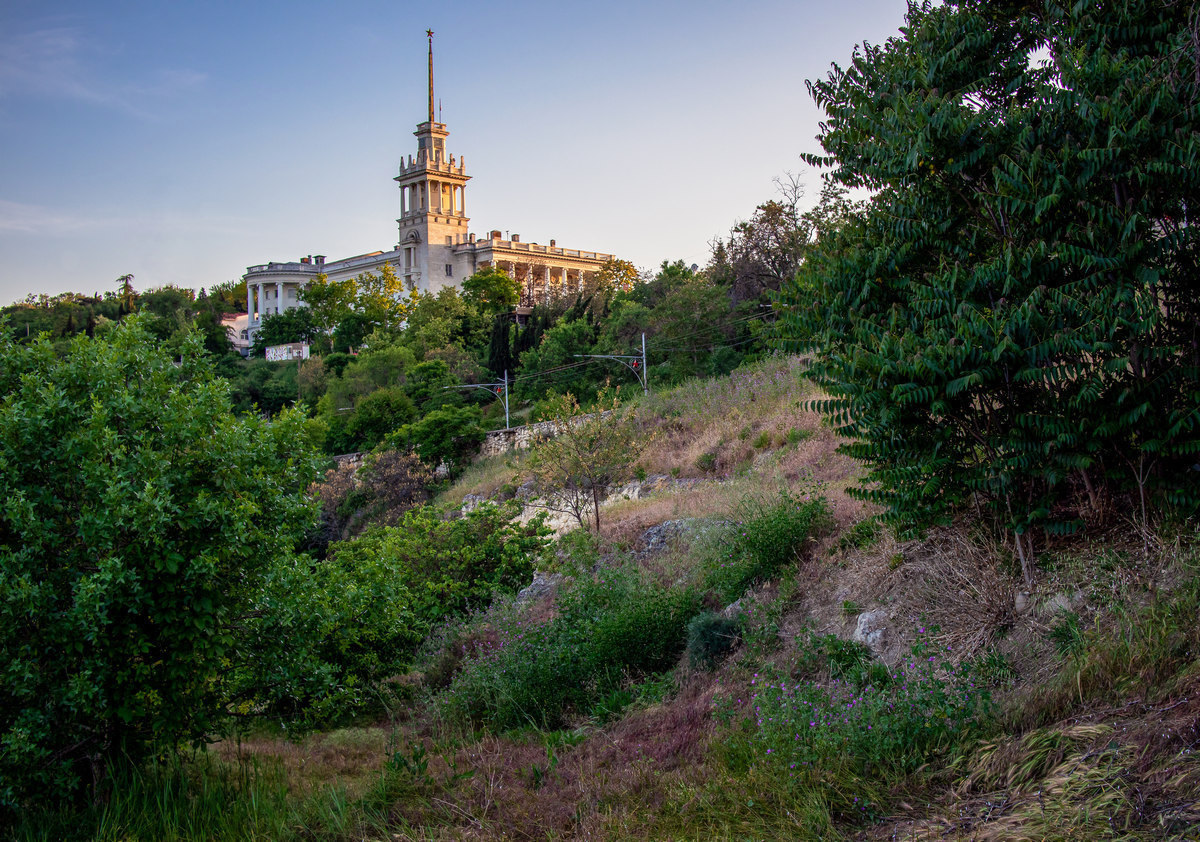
[{"x": 872, "y": 630}]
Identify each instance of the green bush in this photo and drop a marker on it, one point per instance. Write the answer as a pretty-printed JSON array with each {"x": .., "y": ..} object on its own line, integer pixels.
[
  {"x": 710, "y": 637},
  {"x": 608, "y": 629},
  {"x": 140, "y": 522},
  {"x": 768, "y": 536},
  {"x": 454, "y": 565},
  {"x": 450, "y": 435},
  {"x": 836, "y": 732},
  {"x": 843, "y": 660}
]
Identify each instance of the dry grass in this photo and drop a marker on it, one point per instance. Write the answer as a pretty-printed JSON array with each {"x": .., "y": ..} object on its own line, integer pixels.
[
  {"x": 1131, "y": 777},
  {"x": 717, "y": 427},
  {"x": 958, "y": 584},
  {"x": 538, "y": 786},
  {"x": 348, "y": 757},
  {"x": 485, "y": 477}
]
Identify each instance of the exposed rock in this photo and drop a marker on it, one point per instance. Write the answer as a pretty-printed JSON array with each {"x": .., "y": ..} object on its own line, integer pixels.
[
  {"x": 871, "y": 629},
  {"x": 1022, "y": 602},
  {"x": 1061, "y": 603},
  {"x": 732, "y": 611},
  {"x": 472, "y": 502},
  {"x": 543, "y": 586},
  {"x": 658, "y": 538}
]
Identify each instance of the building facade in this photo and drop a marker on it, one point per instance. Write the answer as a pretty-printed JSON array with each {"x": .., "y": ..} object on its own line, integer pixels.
[{"x": 435, "y": 248}]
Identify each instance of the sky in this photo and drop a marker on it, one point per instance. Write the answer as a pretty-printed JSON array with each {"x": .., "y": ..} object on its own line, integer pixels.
[{"x": 184, "y": 141}]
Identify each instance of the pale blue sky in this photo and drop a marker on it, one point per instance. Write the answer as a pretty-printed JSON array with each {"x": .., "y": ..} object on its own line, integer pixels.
[{"x": 184, "y": 141}]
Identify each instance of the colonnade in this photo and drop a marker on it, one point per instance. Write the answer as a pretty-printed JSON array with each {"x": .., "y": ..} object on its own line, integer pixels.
[
  {"x": 540, "y": 283},
  {"x": 445, "y": 197},
  {"x": 255, "y": 294}
]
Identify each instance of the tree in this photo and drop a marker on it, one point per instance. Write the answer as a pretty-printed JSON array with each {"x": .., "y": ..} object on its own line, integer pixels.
[
  {"x": 616, "y": 275},
  {"x": 557, "y": 349},
  {"x": 450, "y": 436},
  {"x": 140, "y": 519},
  {"x": 329, "y": 301},
  {"x": 587, "y": 454},
  {"x": 126, "y": 294},
  {"x": 378, "y": 414},
  {"x": 377, "y": 492},
  {"x": 1011, "y": 323},
  {"x": 380, "y": 297},
  {"x": 293, "y": 325},
  {"x": 492, "y": 290}
]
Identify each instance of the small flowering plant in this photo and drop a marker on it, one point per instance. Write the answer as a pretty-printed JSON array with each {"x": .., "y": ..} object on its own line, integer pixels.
[{"x": 806, "y": 729}]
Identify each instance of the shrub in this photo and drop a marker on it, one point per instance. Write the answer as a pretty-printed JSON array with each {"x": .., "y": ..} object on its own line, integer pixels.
[
  {"x": 608, "y": 629},
  {"x": 768, "y": 536},
  {"x": 140, "y": 519},
  {"x": 450, "y": 435},
  {"x": 710, "y": 637},
  {"x": 836, "y": 731},
  {"x": 451, "y": 566}
]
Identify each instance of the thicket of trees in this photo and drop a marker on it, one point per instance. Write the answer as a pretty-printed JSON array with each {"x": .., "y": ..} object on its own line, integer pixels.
[
  {"x": 1010, "y": 324},
  {"x": 141, "y": 519},
  {"x": 152, "y": 591}
]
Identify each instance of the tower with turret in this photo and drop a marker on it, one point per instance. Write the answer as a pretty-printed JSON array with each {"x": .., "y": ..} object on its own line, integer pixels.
[
  {"x": 434, "y": 248},
  {"x": 433, "y": 219}
]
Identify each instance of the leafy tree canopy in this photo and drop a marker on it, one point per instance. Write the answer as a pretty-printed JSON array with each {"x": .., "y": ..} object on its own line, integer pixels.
[
  {"x": 492, "y": 290},
  {"x": 140, "y": 520},
  {"x": 1012, "y": 320}
]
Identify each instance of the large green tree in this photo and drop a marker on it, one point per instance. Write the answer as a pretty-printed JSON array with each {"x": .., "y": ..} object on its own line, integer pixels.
[
  {"x": 140, "y": 519},
  {"x": 1012, "y": 323}
]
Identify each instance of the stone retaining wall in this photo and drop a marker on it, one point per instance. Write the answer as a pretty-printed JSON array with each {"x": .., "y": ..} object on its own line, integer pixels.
[{"x": 520, "y": 438}]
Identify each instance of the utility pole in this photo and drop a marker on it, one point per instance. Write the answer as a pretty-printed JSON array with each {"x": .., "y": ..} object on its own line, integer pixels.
[
  {"x": 500, "y": 390},
  {"x": 637, "y": 366}
]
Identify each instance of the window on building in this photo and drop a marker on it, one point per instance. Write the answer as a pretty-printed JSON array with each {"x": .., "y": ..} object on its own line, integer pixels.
[
  {"x": 449, "y": 241},
  {"x": 449, "y": 270}
]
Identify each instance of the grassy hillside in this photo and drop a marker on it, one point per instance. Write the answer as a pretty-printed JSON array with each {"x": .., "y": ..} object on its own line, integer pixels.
[{"x": 710, "y": 686}]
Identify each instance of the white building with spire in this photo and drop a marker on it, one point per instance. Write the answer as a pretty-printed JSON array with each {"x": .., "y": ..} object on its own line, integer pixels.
[{"x": 435, "y": 248}]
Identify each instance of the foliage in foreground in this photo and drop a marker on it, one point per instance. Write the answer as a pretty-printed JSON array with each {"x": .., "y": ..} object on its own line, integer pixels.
[
  {"x": 140, "y": 519},
  {"x": 450, "y": 566},
  {"x": 608, "y": 629},
  {"x": 865, "y": 728},
  {"x": 1010, "y": 323}
]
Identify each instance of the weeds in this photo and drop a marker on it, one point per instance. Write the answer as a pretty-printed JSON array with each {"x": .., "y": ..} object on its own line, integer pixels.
[
  {"x": 608, "y": 628},
  {"x": 839, "y": 735},
  {"x": 769, "y": 535}
]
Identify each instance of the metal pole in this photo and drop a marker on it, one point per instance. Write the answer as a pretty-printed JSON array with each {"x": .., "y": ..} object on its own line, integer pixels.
[
  {"x": 506, "y": 424},
  {"x": 645, "y": 371}
]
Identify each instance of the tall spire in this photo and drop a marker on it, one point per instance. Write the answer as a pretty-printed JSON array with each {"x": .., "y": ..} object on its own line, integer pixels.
[{"x": 429, "y": 32}]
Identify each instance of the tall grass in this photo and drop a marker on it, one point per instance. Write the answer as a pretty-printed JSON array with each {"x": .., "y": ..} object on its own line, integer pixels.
[
  {"x": 177, "y": 800},
  {"x": 769, "y": 534},
  {"x": 610, "y": 628},
  {"x": 848, "y": 737}
]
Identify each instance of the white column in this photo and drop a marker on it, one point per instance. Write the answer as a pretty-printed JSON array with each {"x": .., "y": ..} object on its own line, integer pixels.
[
  {"x": 546, "y": 284},
  {"x": 279, "y": 296},
  {"x": 250, "y": 302}
]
